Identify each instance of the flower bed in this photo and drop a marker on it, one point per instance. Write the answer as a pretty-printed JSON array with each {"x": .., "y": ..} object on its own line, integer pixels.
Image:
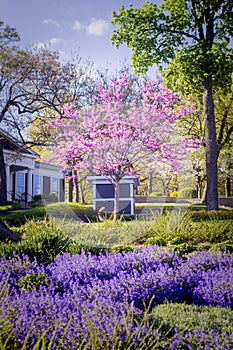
[{"x": 91, "y": 302}]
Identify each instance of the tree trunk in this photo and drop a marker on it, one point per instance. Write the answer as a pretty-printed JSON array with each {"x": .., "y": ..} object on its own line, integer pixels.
[
  {"x": 211, "y": 146},
  {"x": 82, "y": 194},
  {"x": 70, "y": 188},
  {"x": 150, "y": 184},
  {"x": 76, "y": 187},
  {"x": 228, "y": 186},
  {"x": 203, "y": 198},
  {"x": 7, "y": 234},
  {"x": 3, "y": 192},
  {"x": 198, "y": 186},
  {"x": 116, "y": 199}
]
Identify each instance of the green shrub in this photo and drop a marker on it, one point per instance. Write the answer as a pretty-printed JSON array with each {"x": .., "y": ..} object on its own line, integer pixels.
[
  {"x": 184, "y": 235},
  {"x": 77, "y": 247},
  {"x": 183, "y": 248},
  {"x": 50, "y": 198},
  {"x": 120, "y": 248},
  {"x": 41, "y": 240},
  {"x": 71, "y": 211},
  {"x": 187, "y": 192},
  {"x": 160, "y": 241},
  {"x": 190, "y": 317},
  {"x": 156, "y": 194},
  {"x": 226, "y": 247},
  {"x": 32, "y": 280},
  {"x": 203, "y": 215},
  {"x": 204, "y": 246},
  {"x": 174, "y": 194},
  {"x": 9, "y": 206},
  {"x": 19, "y": 218}
]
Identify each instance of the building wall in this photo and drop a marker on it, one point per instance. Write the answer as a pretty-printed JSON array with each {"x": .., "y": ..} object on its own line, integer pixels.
[{"x": 26, "y": 177}]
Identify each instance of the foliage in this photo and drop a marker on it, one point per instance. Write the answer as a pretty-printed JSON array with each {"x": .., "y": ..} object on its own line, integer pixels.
[
  {"x": 46, "y": 197},
  {"x": 188, "y": 318},
  {"x": 74, "y": 211},
  {"x": 203, "y": 215},
  {"x": 116, "y": 300},
  {"x": 183, "y": 234},
  {"x": 191, "y": 39},
  {"x": 9, "y": 206},
  {"x": 41, "y": 240},
  {"x": 19, "y": 218},
  {"x": 155, "y": 194},
  {"x": 176, "y": 33},
  {"x": 187, "y": 193},
  {"x": 34, "y": 84},
  {"x": 174, "y": 194},
  {"x": 62, "y": 210}
]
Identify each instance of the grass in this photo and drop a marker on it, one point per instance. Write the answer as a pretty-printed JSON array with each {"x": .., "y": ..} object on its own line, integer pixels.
[{"x": 183, "y": 230}]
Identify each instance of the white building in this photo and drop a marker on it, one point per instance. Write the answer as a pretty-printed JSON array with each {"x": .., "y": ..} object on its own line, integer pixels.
[{"x": 26, "y": 176}]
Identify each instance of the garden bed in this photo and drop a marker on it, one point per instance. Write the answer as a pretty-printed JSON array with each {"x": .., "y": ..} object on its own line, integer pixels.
[{"x": 118, "y": 301}]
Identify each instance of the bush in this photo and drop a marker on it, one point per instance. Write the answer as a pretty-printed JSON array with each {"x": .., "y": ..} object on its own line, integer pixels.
[
  {"x": 77, "y": 248},
  {"x": 71, "y": 211},
  {"x": 191, "y": 317},
  {"x": 9, "y": 206},
  {"x": 41, "y": 240},
  {"x": 183, "y": 249},
  {"x": 120, "y": 248},
  {"x": 19, "y": 218},
  {"x": 203, "y": 215},
  {"x": 160, "y": 241},
  {"x": 182, "y": 234},
  {"x": 226, "y": 247},
  {"x": 174, "y": 194},
  {"x": 187, "y": 192},
  {"x": 48, "y": 198},
  {"x": 156, "y": 194}
]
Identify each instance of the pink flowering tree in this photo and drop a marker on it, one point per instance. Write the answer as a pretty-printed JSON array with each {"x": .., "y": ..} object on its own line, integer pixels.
[{"x": 116, "y": 138}]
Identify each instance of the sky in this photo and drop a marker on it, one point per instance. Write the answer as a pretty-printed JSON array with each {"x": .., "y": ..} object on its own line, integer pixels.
[{"x": 72, "y": 27}]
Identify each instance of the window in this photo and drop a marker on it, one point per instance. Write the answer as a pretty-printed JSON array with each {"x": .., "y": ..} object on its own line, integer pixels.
[
  {"x": 19, "y": 183},
  {"x": 54, "y": 187},
  {"x": 37, "y": 185}
]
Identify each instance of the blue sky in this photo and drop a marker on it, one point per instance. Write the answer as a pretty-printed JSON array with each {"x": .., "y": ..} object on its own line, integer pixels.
[{"x": 69, "y": 26}]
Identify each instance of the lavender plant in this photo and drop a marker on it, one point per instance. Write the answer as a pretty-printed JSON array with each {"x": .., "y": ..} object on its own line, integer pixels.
[{"x": 91, "y": 302}]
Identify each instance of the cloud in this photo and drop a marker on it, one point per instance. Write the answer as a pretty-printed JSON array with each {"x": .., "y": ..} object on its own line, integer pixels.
[
  {"x": 76, "y": 25},
  {"x": 49, "y": 43},
  {"x": 97, "y": 27},
  {"x": 55, "y": 41},
  {"x": 51, "y": 22}
]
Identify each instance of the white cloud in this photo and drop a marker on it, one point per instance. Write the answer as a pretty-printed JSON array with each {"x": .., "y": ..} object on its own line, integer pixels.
[
  {"x": 51, "y": 22},
  {"x": 97, "y": 27},
  {"x": 55, "y": 41},
  {"x": 49, "y": 43},
  {"x": 76, "y": 25}
]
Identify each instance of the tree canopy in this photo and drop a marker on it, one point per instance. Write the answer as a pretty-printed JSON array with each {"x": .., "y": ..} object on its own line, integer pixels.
[
  {"x": 190, "y": 41},
  {"x": 117, "y": 138},
  {"x": 34, "y": 85}
]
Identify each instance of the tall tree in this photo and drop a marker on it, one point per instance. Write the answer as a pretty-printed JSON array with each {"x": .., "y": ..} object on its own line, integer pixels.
[
  {"x": 34, "y": 84},
  {"x": 116, "y": 138},
  {"x": 190, "y": 39}
]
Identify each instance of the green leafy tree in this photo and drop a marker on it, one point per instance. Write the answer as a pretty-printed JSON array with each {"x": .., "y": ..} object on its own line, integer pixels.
[{"x": 190, "y": 41}]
